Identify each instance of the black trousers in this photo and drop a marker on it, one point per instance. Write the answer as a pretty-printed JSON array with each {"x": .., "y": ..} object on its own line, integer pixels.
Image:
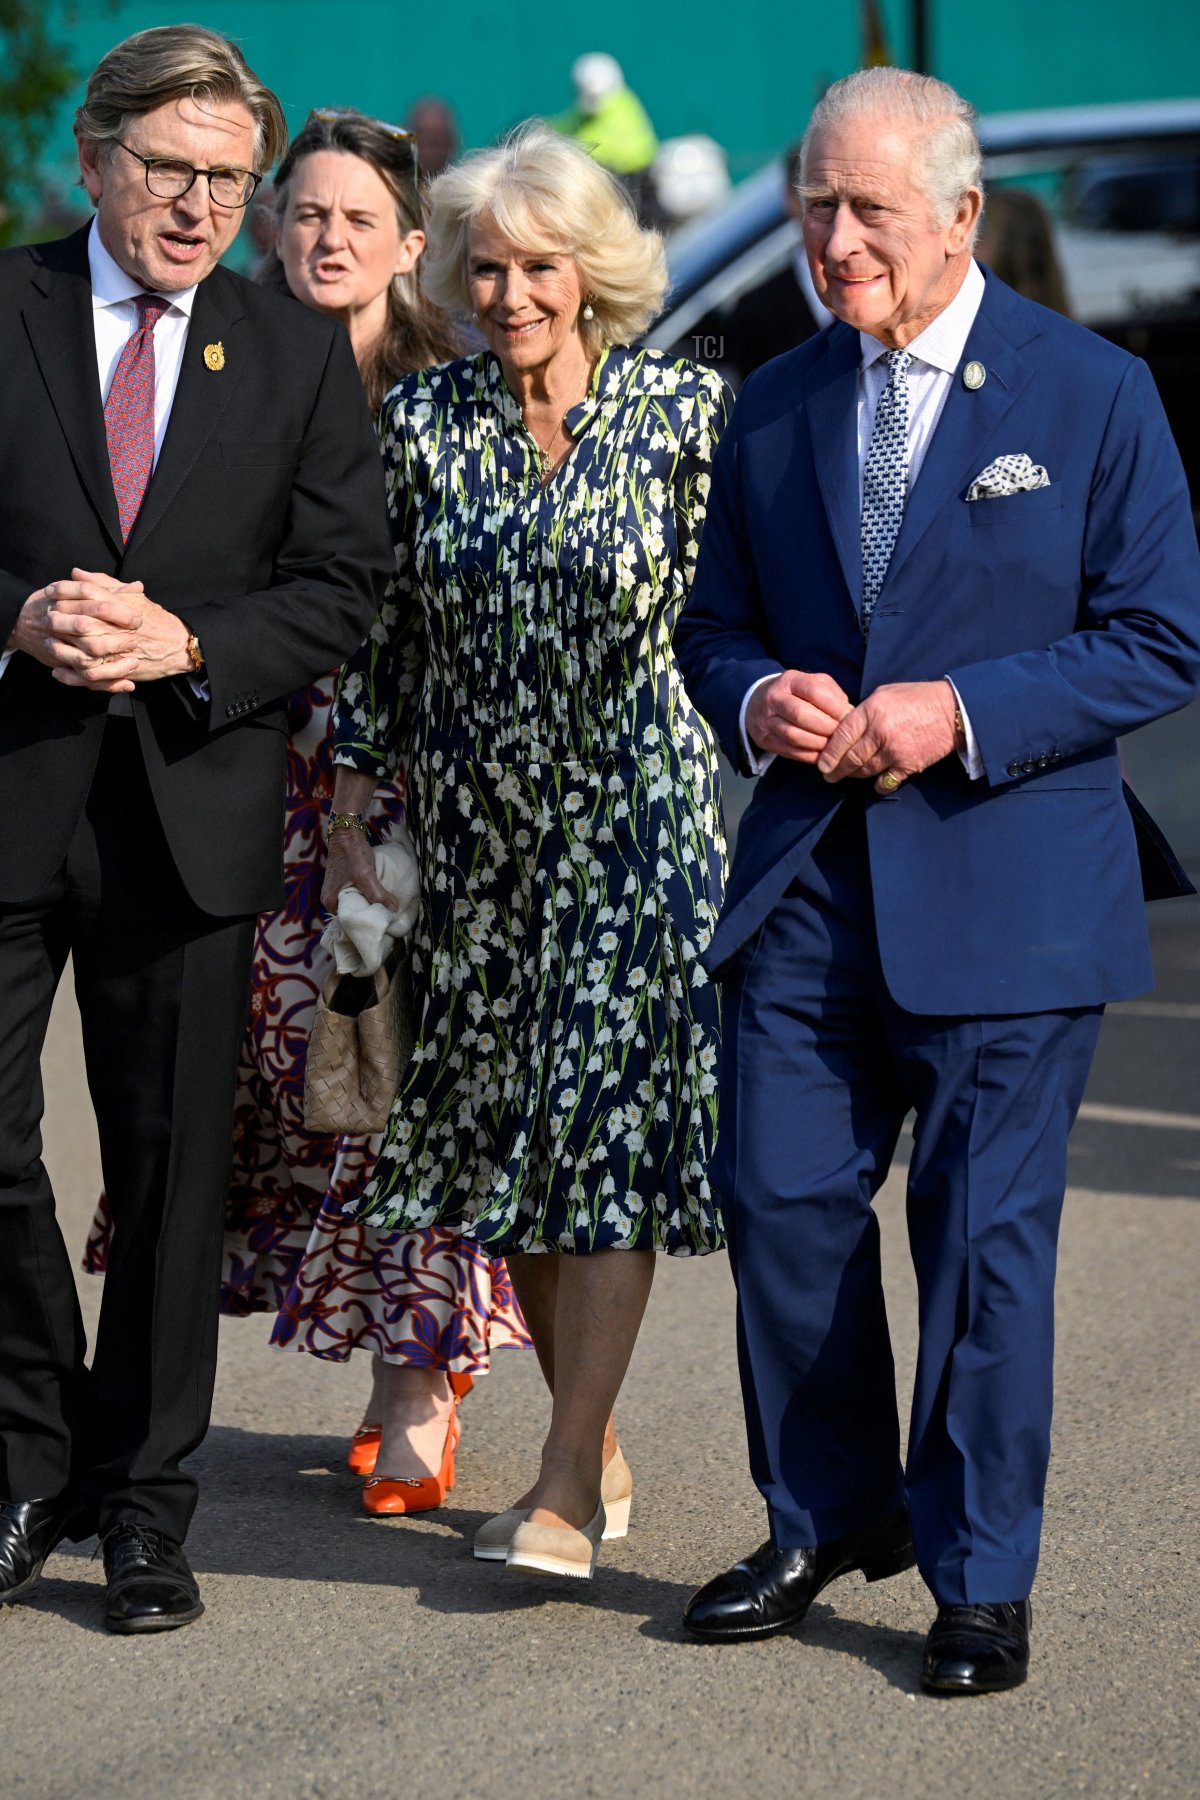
[{"x": 162, "y": 991}]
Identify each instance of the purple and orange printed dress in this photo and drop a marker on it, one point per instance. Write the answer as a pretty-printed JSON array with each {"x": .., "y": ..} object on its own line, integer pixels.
[{"x": 429, "y": 1297}]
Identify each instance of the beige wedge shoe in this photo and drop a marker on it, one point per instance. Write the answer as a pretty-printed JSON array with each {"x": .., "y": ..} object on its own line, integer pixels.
[
  {"x": 616, "y": 1491},
  {"x": 557, "y": 1549}
]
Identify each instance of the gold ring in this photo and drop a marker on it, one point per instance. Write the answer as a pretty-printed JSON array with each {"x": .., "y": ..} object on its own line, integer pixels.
[{"x": 889, "y": 781}]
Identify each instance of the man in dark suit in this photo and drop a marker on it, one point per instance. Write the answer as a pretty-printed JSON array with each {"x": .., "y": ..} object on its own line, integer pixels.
[
  {"x": 193, "y": 526},
  {"x": 783, "y": 311},
  {"x": 937, "y": 885}
]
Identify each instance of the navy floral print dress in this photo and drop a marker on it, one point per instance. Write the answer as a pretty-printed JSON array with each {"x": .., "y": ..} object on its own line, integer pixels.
[{"x": 563, "y": 796}]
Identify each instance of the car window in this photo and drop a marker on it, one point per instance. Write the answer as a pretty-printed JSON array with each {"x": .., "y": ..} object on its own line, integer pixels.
[{"x": 1128, "y": 225}]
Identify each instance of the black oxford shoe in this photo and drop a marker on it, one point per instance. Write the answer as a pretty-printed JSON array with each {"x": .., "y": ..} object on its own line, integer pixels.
[
  {"x": 29, "y": 1531},
  {"x": 150, "y": 1587},
  {"x": 775, "y": 1588},
  {"x": 977, "y": 1649}
]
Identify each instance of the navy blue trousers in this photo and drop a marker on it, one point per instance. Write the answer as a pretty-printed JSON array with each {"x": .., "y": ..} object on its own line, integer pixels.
[{"x": 820, "y": 1069}]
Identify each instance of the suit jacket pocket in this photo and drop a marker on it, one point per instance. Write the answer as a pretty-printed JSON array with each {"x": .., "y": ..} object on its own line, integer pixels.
[
  {"x": 1037, "y": 506},
  {"x": 260, "y": 453}
]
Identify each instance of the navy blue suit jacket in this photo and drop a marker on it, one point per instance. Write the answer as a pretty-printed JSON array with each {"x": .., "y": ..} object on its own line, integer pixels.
[{"x": 1065, "y": 616}]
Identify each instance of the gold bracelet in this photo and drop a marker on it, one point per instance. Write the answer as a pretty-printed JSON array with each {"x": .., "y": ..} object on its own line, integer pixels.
[{"x": 345, "y": 821}]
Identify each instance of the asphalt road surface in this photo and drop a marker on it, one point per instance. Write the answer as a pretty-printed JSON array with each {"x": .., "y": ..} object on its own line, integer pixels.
[{"x": 341, "y": 1656}]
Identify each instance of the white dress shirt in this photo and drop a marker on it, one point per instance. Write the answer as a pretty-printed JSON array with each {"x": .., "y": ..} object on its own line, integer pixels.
[
  {"x": 115, "y": 317},
  {"x": 936, "y": 353},
  {"x": 114, "y": 320}
]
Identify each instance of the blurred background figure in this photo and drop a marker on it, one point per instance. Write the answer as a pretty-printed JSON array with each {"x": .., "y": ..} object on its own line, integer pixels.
[
  {"x": 1017, "y": 242},
  {"x": 260, "y": 228},
  {"x": 610, "y": 122},
  {"x": 435, "y": 128},
  {"x": 689, "y": 177},
  {"x": 782, "y": 311}
]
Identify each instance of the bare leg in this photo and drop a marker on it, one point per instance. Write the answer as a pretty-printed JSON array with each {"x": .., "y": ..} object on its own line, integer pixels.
[
  {"x": 599, "y": 1303},
  {"x": 374, "y": 1407},
  {"x": 415, "y": 1407},
  {"x": 535, "y": 1283}
]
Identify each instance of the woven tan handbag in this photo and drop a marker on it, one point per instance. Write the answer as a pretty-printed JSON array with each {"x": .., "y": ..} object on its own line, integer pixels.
[{"x": 359, "y": 1047}]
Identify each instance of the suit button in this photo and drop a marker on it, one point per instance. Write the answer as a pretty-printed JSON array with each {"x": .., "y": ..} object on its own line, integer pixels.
[
  {"x": 1014, "y": 768},
  {"x": 1043, "y": 762}
]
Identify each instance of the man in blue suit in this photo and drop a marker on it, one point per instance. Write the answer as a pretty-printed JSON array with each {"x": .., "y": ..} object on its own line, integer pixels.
[{"x": 948, "y": 560}]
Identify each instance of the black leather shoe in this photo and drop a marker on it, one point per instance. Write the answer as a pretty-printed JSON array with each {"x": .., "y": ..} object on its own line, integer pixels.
[
  {"x": 29, "y": 1530},
  {"x": 977, "y": 1649},
  {"x": 775, "y": 1588},
  {"x": 150, "y": 1587}
]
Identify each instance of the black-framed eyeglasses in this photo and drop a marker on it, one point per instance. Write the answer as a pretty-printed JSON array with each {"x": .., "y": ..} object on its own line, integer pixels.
[
  {"x": 407, "y": 140},
  {"x": 169, "y": 180}
]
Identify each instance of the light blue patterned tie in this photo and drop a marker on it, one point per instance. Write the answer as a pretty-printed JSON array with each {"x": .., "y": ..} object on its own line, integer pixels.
[{"x": 885, "y": 480}]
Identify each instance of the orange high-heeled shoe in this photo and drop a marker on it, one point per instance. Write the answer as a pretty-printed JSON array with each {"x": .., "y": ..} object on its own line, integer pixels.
[
  {"x": 364, "y": 1445},
  {"x": 364, "y": 1449},
  {"x": 384, "y": 1494}
]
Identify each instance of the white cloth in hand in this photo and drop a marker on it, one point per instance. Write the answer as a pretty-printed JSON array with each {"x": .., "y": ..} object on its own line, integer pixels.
[
  {"x": 1008, "y": 475},
  {"x": 362, "y": 931}
]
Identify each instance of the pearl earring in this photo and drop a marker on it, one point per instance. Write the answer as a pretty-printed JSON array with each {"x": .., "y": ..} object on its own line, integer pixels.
[{"x": 589, "y": 312}]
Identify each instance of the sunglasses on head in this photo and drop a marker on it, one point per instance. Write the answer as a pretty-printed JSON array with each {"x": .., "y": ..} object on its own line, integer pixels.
[{"x": 329, "y": 115}]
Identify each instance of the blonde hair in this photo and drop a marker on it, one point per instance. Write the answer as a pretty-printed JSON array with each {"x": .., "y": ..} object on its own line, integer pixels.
[
  {"x": 947, "y": 157},
  {"x": 177, "y": 62},
  {"x": 545, "y": 193}
]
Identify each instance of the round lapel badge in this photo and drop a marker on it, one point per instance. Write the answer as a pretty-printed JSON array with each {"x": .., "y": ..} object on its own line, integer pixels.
[
  {"x": 974, "y": 376},
  {"x": 214, "y": 356}
]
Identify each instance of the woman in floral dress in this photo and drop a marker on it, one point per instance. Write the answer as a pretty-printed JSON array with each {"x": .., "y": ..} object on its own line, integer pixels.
[
  {"x": 429, "y": 1306},
  {"x": 546, "y": 499}
]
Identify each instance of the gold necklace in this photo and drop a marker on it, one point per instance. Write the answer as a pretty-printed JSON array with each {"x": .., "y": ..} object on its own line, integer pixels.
[{"x": 546, "y": 455}]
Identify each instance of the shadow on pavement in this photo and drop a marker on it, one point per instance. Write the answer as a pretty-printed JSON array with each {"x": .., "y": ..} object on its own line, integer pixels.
[
  {"x": 284, "y": 1508},
  {"x": 75, "y": 1602},
  {"x": 896, "y": 1655}
]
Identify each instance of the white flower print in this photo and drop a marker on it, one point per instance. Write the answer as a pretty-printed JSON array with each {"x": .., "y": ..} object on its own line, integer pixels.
[{"x": 564, "y": 805}]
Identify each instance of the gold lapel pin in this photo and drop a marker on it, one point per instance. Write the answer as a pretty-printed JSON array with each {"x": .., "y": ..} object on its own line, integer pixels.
[
  {"x": 214, "y": 356},
  {"x": 974, "y": 376}
]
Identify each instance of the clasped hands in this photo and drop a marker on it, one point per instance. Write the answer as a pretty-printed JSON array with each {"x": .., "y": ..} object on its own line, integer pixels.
[
  {"x": 895, "y": 732},
  {"x": 99, "y": 633}
]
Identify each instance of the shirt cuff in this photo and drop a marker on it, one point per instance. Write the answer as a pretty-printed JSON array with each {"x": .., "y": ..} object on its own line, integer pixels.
[
  {"x": 757, "y": 761},
  {"x": 6, "y": 657},
  {"x": 969, "y": 755}
]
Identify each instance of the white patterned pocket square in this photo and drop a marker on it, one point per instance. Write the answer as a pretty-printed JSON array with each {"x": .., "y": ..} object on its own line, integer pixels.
[{"x": 1008, "y": 475}]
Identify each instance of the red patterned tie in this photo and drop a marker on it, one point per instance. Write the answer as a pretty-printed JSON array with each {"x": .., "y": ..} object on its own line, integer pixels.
[{"x": 129, "y": 413}]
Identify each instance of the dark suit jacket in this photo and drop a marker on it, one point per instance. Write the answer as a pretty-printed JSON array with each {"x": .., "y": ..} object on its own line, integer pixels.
[
  {"x": 1065, "y": 617},
  {"x": 769, "y": 320},
  {"x": 264, "y": 527}
]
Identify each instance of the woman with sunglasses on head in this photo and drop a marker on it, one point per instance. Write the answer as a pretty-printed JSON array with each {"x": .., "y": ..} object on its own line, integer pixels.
[
  {"x": 547, "y": 497},
  {"x": 349, "y": 234}
]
